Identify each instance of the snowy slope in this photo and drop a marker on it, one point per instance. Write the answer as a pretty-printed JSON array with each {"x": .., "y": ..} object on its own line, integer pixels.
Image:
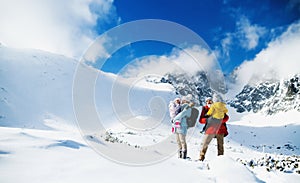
[
  {"x": 61, "y": 155},
  {"x": 36, "y": 92},
  {"x": 36, "y": 85},
  {"x": 33, "y": 84}
]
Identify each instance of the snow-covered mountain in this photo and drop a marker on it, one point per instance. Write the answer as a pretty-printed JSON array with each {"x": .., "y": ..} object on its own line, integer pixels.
[
  {"x": 197, "y": 85},
  {"x": 37, "y": 85},
  {"x": 34, "y": 85},
  {"x": 269, "y": 96}
]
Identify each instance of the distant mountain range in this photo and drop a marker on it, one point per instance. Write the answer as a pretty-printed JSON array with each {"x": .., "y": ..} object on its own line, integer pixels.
[
  {"x": 34, "y": 85},
  {"x": 197, "y": 85},
  {"x": 269, "y": 96}
]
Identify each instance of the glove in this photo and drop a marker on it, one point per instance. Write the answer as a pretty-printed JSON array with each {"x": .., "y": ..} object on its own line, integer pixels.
[
  {"x": 206, "y": 116},
  {"x": 191, "y": 104},
  {"x": 177, "y": 124}
]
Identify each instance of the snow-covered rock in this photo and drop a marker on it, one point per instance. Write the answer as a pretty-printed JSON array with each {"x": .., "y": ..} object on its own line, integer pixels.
[
  {"x": 269, "y": 96},
  {"x": 282, "y": 163},
  {"x": 196, "y": 85}
]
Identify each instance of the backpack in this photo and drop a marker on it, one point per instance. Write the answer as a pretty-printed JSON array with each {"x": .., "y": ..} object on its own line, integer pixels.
[{"x": 191, "y": 121}]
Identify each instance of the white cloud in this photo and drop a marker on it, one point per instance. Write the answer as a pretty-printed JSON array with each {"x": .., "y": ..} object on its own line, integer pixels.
[
  {"x": 189, "y": 61},
  {"x": 279, "y": 60},
  {"x": 97, "y": 50},
  {"x": 248, "y": 34},
  {"x": 63, "y": 27},
  {"x": 226, "y": 44}
]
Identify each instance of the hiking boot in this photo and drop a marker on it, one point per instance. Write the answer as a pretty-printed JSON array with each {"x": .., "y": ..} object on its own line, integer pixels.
[
  {"x": 179, "y": 154},
  {"x": 202, "y": 157},
  {"x": 184, "y": 154}
]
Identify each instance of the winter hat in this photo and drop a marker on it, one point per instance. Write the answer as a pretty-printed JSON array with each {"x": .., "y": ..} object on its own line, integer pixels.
[
  {"x": 217, "y": 98},
  {"x": 176, "y": 99},
  {"x": 208, "y": 98},
  {"x": 188, "y": 98}
]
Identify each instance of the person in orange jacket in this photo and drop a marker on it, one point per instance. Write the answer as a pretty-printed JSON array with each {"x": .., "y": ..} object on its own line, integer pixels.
[{"x": 215, "y": 127}]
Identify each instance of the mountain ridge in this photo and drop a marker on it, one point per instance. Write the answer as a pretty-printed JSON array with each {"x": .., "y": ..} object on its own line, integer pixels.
[{"x": 270, "y": 96}]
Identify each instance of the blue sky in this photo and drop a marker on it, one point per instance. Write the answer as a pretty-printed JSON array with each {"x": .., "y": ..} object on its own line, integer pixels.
[{"x": 236, "y": 30}]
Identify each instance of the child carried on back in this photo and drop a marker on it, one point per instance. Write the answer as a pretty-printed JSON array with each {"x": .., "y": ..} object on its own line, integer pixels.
[{"x": 174, "y": 108}]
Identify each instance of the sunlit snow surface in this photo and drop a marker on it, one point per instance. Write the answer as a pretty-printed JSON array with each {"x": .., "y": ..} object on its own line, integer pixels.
[{"x": 40, "y": 141}]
